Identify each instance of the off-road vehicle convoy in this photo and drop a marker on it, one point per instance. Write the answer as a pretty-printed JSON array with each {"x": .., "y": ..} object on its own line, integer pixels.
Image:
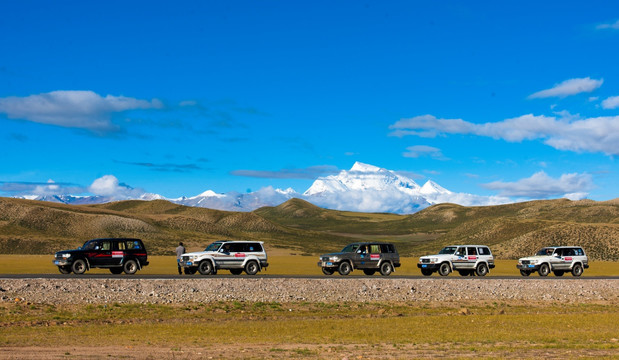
[
  {"x": 368, "y": 257},
  {"x": 558, "y": 259},
  {"x": 468, "y": 260},
  {"x": 236, "y": 256},
  {"x": 118, "y": 255}
]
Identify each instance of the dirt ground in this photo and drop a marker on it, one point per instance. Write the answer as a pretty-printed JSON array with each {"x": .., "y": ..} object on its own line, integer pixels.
[{"x": 308, "y": 351}]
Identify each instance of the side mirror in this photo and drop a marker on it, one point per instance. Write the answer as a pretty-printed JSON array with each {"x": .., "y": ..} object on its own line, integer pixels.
[{"x": 358, "y": 251}]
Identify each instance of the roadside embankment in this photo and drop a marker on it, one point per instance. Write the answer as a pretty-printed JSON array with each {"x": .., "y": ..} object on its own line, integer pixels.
[{"x": 179, "y": 291}]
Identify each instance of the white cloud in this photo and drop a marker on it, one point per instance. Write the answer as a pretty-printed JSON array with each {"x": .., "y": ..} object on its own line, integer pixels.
[
  {"x": 72, "y": 108},
  {"x": 569, "y": 87},
  {"x": 542, "y": 186},
  {"x": 611, "y": 103},
  {"x": 108, "y": 186},
  {"x": 423, "y": 150},
  {"x": 599, "y": 134},
  {"x": 614, "y": 26}
]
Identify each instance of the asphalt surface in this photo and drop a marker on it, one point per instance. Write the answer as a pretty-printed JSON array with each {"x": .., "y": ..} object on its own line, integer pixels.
[{"x": 266, "y": 276}]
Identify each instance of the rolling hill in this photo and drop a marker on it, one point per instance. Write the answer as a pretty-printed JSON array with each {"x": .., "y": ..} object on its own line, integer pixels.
[{"x": 296, "y": 226}]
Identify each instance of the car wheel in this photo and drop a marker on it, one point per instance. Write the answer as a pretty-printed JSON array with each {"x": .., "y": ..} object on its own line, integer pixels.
[
  {"x": 444, "y": 269},
  {"x": 525, "y": 273},
  {"x": 559, "y": 272},
  {"x": 369, "y": 271},
  {"x": 328, "y": 271},
  {"x": 205, "y": 267},
  {"x": 386, "y": 269},
  {"x": 78, "y": 267},
  {"x": 251, "y": 268},
  {"x": 482, "y": 270},
  {"x": 64, "y": 269},
  {"x": 130, "y": 267},
  {"x": 236, "y": 271},
  {"x": 426, "y": 272},
  {"x": 116, "y": 271},
  {"x": 544, "y": 270},
  {"x": 577, "y": 270},
  {"x": 344, "y": 268}
]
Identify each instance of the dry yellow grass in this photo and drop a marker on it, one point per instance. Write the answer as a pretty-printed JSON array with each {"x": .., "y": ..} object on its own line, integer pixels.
[{"x": 278, "y": 265}]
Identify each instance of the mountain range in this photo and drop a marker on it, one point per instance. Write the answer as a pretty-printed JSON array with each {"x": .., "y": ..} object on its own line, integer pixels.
[{"x": 363, "y": 188}]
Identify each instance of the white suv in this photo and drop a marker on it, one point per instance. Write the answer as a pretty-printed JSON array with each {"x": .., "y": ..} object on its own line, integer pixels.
[
  {"x": 466, "y": 259},
  {"x": 235, "y": 256},
  {"x": 558, "y": 259}
]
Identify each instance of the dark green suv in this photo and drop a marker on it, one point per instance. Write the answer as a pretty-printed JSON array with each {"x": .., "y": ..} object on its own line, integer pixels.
[
  {"x": 118, "y": 255},
  {"x": 369, "y": 257}
]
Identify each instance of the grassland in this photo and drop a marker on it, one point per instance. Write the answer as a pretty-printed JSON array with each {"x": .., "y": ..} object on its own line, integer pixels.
[
  {"x": 278, "y": 265},
  {"x": 306, "y": 330}
]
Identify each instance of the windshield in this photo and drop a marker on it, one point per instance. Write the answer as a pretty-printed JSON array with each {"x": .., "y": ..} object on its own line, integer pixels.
[
  {"x": 89, "y": 245},
  {"x": 545, "y": 252},
  {"x": 213, "y": 247},
  {"x": 350, "y": 248},
  {"x": 448, "y": 250}
]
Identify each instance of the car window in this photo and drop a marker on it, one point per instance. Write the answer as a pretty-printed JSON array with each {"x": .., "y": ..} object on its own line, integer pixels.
[
  {"x": 386, "y": 248},
  {"x": 119, "y": 245},
  {"x": 213, "y": 247},
  {"x": 374, "y": 249},
  {"x": 461, "y": 251},
  {"x": 472, "y": 251},
  {"x": 545, "y": 252},
  {"x": 106, "y": 245},
  {"x": 448, "y": 250},
  {"x": 579, "y": 252},
  {"x": 89, "y": 245},
  {"x": 483, "y": 251},
  {"x": 350, "y": 248}
]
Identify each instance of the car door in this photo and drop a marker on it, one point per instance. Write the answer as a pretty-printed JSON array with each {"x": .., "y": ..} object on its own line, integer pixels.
[
  {"x": 225, "y": 256},
  {"x": 119, "y": 250},
  {"x": 360, "y": 257},
  {"x": 567, "y": 257},
  {"x": 461, "y": 258},
  {"x": 471, "y": 257},
  {"x": 556, "y": 260}
]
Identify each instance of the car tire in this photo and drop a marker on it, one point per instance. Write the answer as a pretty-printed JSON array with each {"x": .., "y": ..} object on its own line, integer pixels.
[
  {"x": 78, "y": 267},
  {"x": 205, "y": 267},
  {"x": 577, "y": 270},
  {"x": 481, "y": 270},
  {"x": 426, "y": 272},
  {"x": 236, "y": 271},
  {"x": 369, "y": 272},
  {"x": 386, "y": 268},
  {"x": 116, "y": 271},
  {"x": 64, "y": 269},
  {"x": 328, "y": 271},
  {"x": 525, "y": 273},
  {"x": 130, "y": 267},
  {"x": 251, "y": 268},
  {"x": 444, "y": 269},
  {"x": 559, "y": 272},
  {"x": 344, "y": 268},
  {"x": 544, "y": 270}
]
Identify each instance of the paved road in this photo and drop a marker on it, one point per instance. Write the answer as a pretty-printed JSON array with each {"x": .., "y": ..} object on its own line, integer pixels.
[{"x": 228, "y": 276}]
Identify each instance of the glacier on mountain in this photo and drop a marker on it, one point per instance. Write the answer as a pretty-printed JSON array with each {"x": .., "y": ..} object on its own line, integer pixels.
[{"x": 363, "y": 188}]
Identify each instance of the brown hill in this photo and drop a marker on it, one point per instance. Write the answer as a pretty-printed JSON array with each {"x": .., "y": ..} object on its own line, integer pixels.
[{"x": 511, "y": 230}]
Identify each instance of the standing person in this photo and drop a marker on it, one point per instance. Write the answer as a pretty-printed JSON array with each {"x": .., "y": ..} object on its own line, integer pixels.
[{"x": 180, "y": 250}]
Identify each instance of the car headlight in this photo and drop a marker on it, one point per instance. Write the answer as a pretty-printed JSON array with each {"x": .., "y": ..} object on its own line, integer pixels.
[
  {"x": 434, "y": 260},
  {"x": 533, "y": 262},
  {"x": 66, "y": 256},
  {"x": 334, "y": 258}
]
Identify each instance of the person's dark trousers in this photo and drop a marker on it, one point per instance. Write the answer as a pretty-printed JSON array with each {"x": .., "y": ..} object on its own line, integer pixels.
[{"x": 178, "y": 262}]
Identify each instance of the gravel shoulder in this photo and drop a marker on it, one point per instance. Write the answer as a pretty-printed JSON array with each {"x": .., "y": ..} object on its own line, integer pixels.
[{"x": 179, "y": 291}]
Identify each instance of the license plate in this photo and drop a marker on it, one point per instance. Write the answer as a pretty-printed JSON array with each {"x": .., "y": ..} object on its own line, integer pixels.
[
  {"x": 424, "y": 266},
  {"x": 531, "y": 266},
  {"x": 329, "y": 264},
  {"x": 56, "y": 262},
  {"x": 189, "y": 263}
]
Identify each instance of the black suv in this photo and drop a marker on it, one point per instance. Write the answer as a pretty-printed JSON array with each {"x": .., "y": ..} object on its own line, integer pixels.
[
  {"x": 366, "y": 256},
  {"x": 118, "y": 255}
]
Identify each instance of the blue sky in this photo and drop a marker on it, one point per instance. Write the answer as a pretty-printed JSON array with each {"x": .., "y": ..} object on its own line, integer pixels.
[{"x": 516, "y": 98}]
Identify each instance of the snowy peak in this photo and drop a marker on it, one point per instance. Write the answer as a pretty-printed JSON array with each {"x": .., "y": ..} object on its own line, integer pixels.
[
  {"x": 363, "y": 177},
  {"x": 361, "y": 167},
  {"x": 431, "y": 188}
]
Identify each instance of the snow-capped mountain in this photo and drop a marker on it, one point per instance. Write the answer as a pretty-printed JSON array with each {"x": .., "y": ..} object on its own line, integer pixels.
[{"x": 364, "y": 188}]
